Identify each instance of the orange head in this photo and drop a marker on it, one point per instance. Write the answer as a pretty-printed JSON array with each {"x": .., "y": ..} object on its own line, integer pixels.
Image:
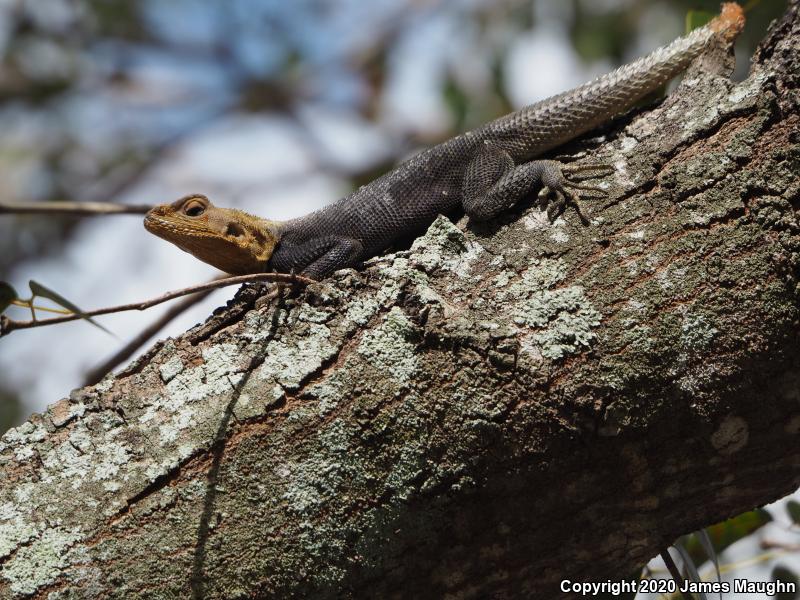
[{"x": 229, "y": 239}]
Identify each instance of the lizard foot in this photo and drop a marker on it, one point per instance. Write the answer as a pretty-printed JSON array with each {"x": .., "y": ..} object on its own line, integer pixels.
[
  {"x": 278, "y": 290},
  {"x": 561, "y": 188}
]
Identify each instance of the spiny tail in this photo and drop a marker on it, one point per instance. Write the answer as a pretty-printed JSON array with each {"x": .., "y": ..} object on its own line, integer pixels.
[{"x": 552, "y": 122}]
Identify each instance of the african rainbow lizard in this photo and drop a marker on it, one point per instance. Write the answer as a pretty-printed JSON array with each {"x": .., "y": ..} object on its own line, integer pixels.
[{"x": 483, "y": 172}]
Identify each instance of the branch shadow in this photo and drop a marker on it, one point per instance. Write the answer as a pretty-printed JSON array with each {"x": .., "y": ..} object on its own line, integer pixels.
[{"x": 197, "y": 580}]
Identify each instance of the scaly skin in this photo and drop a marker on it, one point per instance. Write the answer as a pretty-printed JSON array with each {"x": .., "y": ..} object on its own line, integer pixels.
[{"x": 483, "y": 172}]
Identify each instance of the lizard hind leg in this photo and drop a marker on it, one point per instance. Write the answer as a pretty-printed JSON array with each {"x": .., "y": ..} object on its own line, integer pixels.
[
  {"x": 484, "y": 171},
  {"x": 493, "y": 183}
]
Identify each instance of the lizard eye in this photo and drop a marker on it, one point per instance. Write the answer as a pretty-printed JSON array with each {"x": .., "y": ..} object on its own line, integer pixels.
[{"x": 195, "y": 208}]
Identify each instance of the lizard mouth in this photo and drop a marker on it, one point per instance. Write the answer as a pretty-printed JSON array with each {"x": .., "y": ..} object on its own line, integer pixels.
[
  {"x": 162, "y": 227},
  {"x": 153, "y": 224}
]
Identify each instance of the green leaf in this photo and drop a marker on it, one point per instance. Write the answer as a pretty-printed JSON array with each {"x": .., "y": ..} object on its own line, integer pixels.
[
  {"x": 697, "y": 18},
  {"x": 793, "y": 508},
  {"x": 726, "y": 533},
  {"x": 7, "y": 295},
  {"x": 37, "y": 289}
]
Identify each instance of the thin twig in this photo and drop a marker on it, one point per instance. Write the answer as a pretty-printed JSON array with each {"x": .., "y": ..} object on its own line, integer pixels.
[
  {"x": 123, "y": 354},
  {"x": 676, "y": 574},
  {"x": 73, "y": 208},
  {"x": 8, "y": 325}
]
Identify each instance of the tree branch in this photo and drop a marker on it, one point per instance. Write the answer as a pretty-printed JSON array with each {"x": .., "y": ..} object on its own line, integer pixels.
[
  {"x": 8, "y": 325},
  {"x": 73, "y": 208},
  {"x": 488, "y": 414}
]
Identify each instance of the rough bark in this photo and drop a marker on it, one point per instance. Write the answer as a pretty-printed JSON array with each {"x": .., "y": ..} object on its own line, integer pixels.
[{"x": 488, "y": 413}]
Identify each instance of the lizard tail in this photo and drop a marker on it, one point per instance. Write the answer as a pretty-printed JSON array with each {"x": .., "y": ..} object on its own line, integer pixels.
[
  {"x": 730, "y": 21},
  {"x": 547, "y": 124}
]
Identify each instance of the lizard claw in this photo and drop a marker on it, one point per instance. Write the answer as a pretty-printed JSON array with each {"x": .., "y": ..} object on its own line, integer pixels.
[
  {"x": 590, "y": 171},
  {"x": 586, "y": 188},
  {"x": 555, "y": 201}
]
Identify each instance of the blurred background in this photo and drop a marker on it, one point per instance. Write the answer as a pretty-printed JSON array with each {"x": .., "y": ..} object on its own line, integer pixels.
[{"x": 276, "y": 107}]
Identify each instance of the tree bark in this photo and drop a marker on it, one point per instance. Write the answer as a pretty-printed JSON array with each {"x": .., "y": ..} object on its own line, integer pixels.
[{"x": 495, "y": 410}]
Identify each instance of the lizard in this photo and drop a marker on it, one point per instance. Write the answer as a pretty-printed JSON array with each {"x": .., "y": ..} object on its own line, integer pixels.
[{"x": 484, "y": 172}]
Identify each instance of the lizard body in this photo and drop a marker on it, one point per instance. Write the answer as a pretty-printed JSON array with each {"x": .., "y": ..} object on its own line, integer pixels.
[{"x": 483, "y": 171}]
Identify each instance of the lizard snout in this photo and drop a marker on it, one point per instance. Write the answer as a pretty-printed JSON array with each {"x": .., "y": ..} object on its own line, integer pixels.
[{"x": 157, "y": 211}]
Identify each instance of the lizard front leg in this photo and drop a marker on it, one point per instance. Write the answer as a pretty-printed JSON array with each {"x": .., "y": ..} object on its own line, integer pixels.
[
  {"x": 318, "y": 257},
  {"x": 493, "y": 183}
]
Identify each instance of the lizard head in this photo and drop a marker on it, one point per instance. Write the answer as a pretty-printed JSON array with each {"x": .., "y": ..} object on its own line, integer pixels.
[{"x": 229, "y": 239}]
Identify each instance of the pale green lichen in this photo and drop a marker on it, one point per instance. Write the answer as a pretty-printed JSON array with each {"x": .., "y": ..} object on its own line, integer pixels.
[
  {"x": 697, "y": 333},
  {"x": 41, "y": 562},
  {"x": 387, "y": 347},
  {"x": 289, "y": 363},
  {"x": 14, "y": 529},
  {"x": 540, "y": 275},
  {"x": 562, "y": 317},
  {"x": 670, "y": 277},
  {"x": 559, "y": 235},
  {"x": 209, "y": 379},
  {"x": 310, "y": 314},
  {"x": 410, "y": 464},
  {"x": 329, "y": 391},
  {"x": 444, "y": 246},
  {"x": 361, "y": 310},
  {"x": 170, "y": 369},
  {"x": 68, "y": 462},
  {"x": 110, "y": 456},
  {"x": 748, "y": 89},
  {"x": 106, "y": 384},
  {"x": 319, "y": 478},
  {"x": 27, "y": 433},
  {"x": 537, "y": 220},
  {"x": 395, "y": 275}
]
